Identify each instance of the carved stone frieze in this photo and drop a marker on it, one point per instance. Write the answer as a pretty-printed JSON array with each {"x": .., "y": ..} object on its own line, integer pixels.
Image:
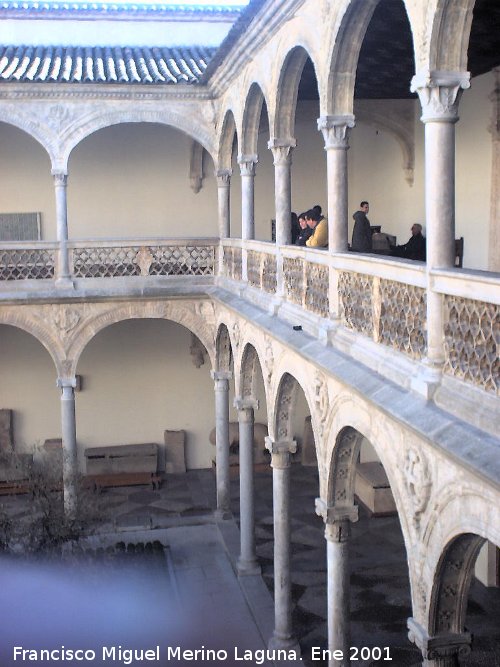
[
  {"x": 356, "y": 293},
  {"x": 293, "y": 275},
  {"x": 236, "y": 331},
  {"x": 402, "y": 318},
  {"x": 316, "y": 293},
  {"x": 269, "y": 360}
]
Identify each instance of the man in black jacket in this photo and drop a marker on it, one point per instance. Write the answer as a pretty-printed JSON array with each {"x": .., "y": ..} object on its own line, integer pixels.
[
  {"x": 415, "y": 248},
  {"x": 362, "y": 233}
]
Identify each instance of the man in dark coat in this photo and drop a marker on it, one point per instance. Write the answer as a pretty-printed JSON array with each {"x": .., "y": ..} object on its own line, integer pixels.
[
  {"x": 415, "y": 248},
  {"x": 362, "y": 233}
]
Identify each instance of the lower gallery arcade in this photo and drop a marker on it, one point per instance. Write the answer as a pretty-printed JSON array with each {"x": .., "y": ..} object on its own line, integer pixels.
[{"x": 245, "y": 368}]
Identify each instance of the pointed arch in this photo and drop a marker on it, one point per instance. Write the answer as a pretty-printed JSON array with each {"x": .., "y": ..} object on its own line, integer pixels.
[
  {"x": 223, "y": 350},
  {"x": 450, "y": 35}
]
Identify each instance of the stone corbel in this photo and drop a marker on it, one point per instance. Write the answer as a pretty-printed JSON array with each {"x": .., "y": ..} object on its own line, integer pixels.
[
  {"x": 196, "y": 167},
  {"x": 397, "y": 118}
]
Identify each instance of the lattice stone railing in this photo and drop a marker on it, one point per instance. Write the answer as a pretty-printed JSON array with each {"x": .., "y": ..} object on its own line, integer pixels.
[
  {"x": 232, "y": 263},
  {"x": 316, "y": 292},
  {"x": 403, "y": 318},
  {"x": 306, "y": 284},
  {"x": 387, "y": 311},
  {"x": 356, "y": 301},
  {"x": 261, "y": 270},
  {"x": 294, "y": 279},
  {"x": 28, "y": 264},
  {"x": 472, "y": 342},
  {"x": 154, "y": 260}
]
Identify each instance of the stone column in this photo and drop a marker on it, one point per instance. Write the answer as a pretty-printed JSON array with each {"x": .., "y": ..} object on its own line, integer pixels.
[
  {"x": 439, "y": 94},
  {"x": 63, "y": 278},
  {"x": 221, "y": 386},
  {"x": 223, "y": 177},
  {"x": 494, "y": 235},
  {"x": 337, "y": 533},
  {"x": 280, "y": 461},
  {"x": 247, "y": 563},
  {"x": 69, "y": 445},
  {"x": 335, "y": 131},
  {"x": 282, "y": 154},
  {"x": 441, "y": 650},
  {"x": 247, "y": 170}
]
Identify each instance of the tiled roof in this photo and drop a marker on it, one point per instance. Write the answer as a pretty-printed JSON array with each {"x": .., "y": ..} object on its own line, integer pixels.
[
  {"x": 73, "y": 64},
  {"x": 115, "y": 9}
]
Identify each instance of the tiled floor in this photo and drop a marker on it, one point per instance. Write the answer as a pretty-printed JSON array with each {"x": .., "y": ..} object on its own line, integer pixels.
[{"x": 221, "y": 608}]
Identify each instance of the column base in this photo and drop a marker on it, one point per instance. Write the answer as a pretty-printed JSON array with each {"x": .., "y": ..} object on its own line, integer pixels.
[
  {"x": 427, "y": 380},
  {"x": 288, "y": 644},
  {"x": 247, "y": 568},
  {"x": 223, "y": 515},
  {"x": 64, "y": 283}
]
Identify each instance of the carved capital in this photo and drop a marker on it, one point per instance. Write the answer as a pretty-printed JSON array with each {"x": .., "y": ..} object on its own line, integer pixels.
[
  {"x": 221, "y": 380},
  {"x": 335, "y": 130},
  {"x": 440, "y": 646},
  {"x": 282, "y": 150},
  {"x": 60, "y": 178},
  {"x": 66, "y": 383},
  {"x": 247, "y": 164},
  {"x": 246, "y": 403},
  {"x": 281, "y": 451},
  {"x": 439, "y": 94},
  {"x": 223, "y": 177},
  {"x": 334, "y": 514}
]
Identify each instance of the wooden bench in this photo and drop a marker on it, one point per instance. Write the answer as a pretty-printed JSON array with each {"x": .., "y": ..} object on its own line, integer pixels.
[{"x": 123, "y": 465}]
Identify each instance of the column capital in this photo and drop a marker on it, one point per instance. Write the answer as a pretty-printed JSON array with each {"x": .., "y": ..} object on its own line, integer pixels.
[
  {"x": 441, "y": 646},
  {"x": 247, "y": 164},
  {"x": 439, "y": 93},
  {"x": 246, "y": 403},
  {"x": 337, "y": 520},
  {"x": 223, "y": 177},
  {"x": 64, "y": 383},
  {"x": 280, "y": 451},
  {"x": 282, "y": 150},
  {"x": 60, "y": 176},
  {"x": 335, "y": 130},
  {"x": 221, "y": 375}
]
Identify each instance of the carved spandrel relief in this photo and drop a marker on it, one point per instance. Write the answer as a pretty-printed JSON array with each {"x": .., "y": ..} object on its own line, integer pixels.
[
  {"x": 418, "y": 482},
  {"x": 269, "y": 361},
  {"x": 321, "y": 401},
  {"x": 64, "y": 318}
]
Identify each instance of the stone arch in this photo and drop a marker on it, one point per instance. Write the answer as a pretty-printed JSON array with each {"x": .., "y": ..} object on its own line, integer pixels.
[
  {"x": 340, "y": 488},
  {"x": 198, "y": 318},
  {"x": 176, "y": 118},
  {"x": 34, "y": 324},
  {"x": 344, "y": 59},
  {"x": 448, "y": 602},
  {"x": 281, "y": 421},
  {"x": 226, "y": 141},
  {"x": 250, "y": 363},
  {"x": 450, "y": 34},
  {"x": 287, "y": 91},
  {"x": 251, "y": 119},
  {"x": 224, "y": 350},
  {"x": 38, "y": 131}
]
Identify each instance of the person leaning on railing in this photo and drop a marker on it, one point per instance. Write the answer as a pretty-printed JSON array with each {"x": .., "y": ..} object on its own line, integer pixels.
[
  {"x": 319, "y": 225},
  {"x": 305, "y": 231}
]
